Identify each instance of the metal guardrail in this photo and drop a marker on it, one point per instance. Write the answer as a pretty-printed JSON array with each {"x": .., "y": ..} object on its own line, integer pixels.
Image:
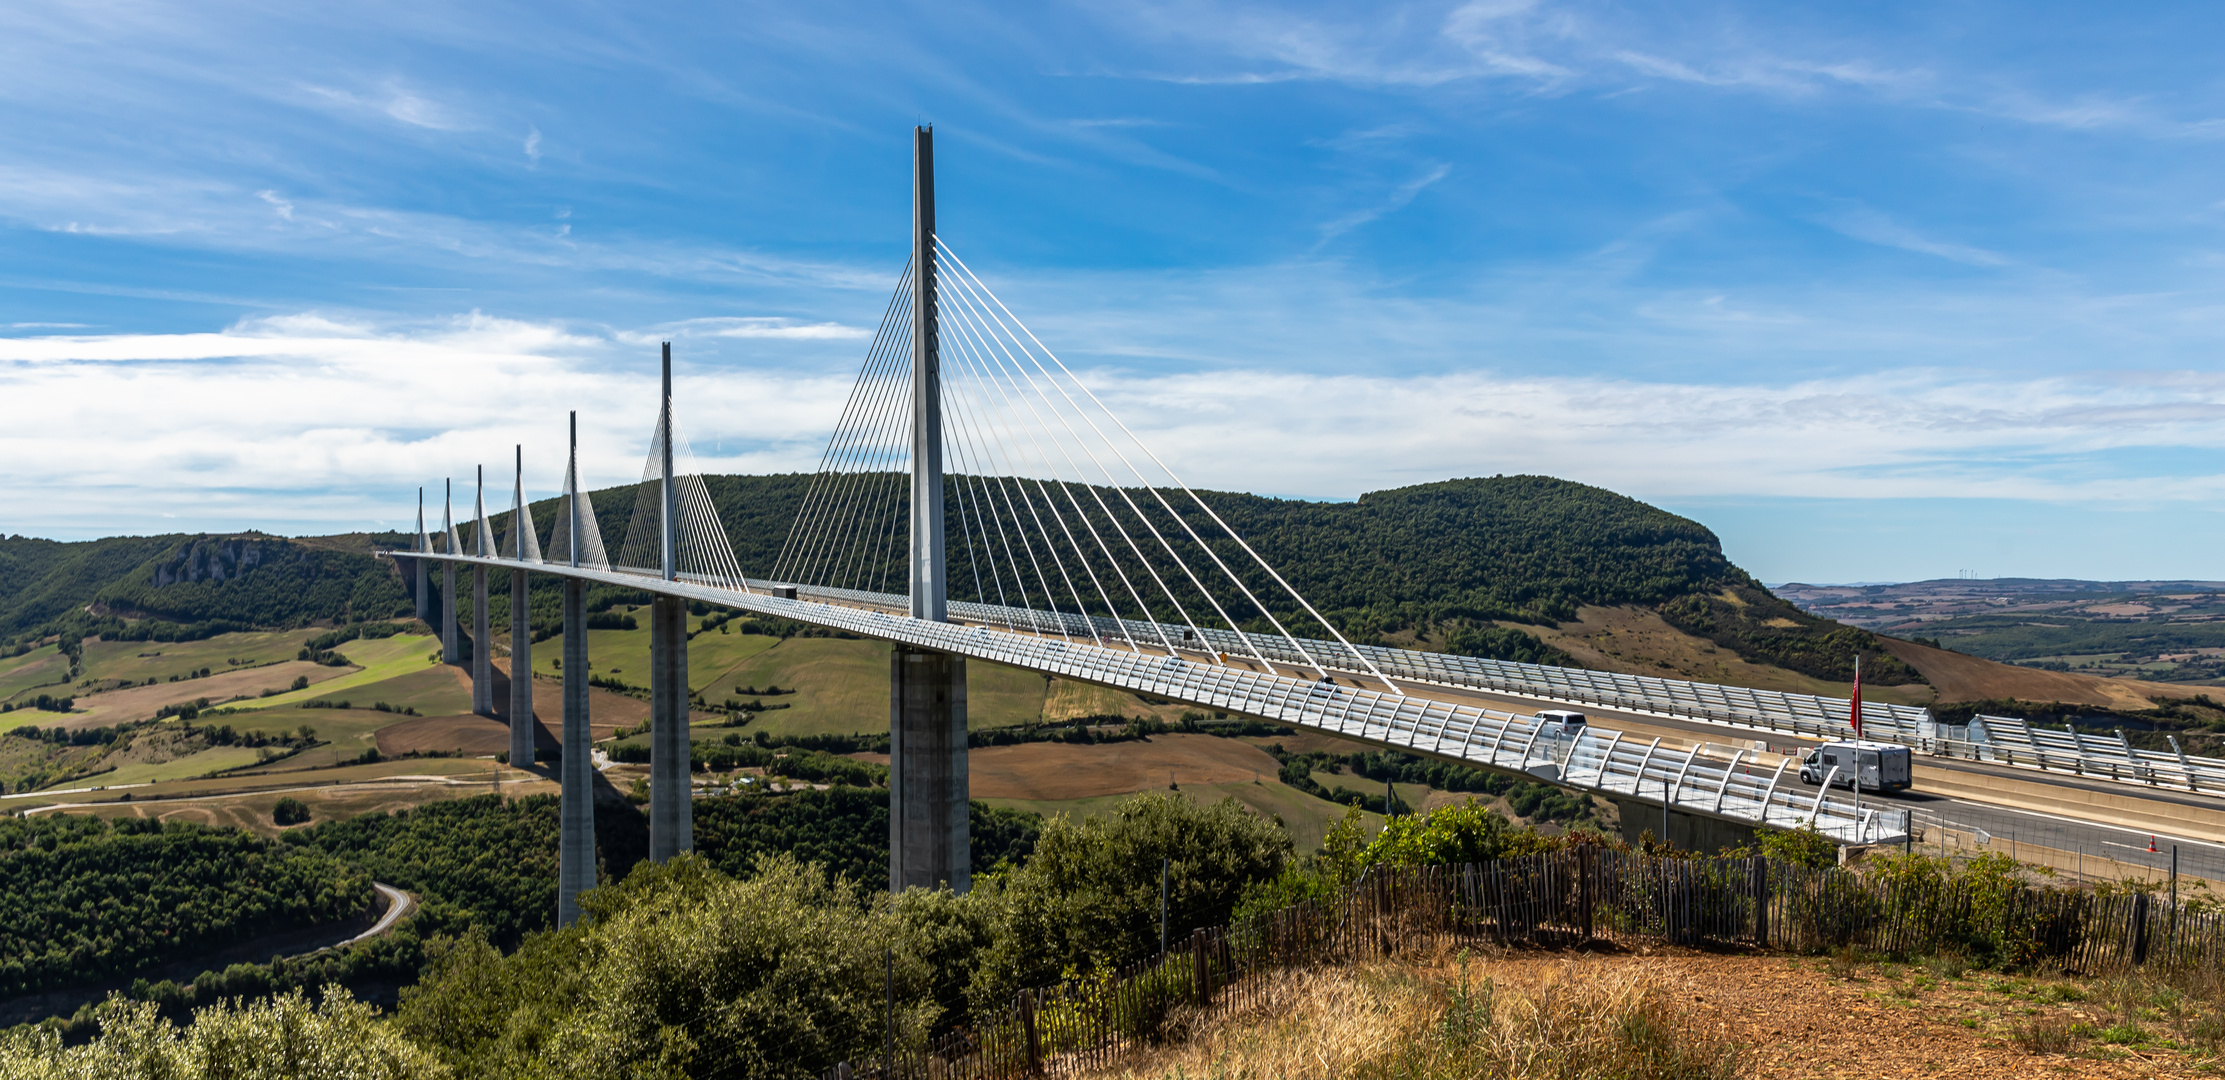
[
  {"x": 1693, "y": 782},
  {"x": 1998, "y": 740}
]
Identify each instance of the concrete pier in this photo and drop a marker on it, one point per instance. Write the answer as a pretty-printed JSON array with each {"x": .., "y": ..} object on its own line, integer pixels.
[
  {"x": 521, "y": 672},
  {"x": 424, "y": 590},
  {"x": 929, "y": 835},
  {"x": 671, "y": 813},
  {"x": 575, "y": 872},
  {"x": 482, "y": 647},
  {"x": 449, "y": 653}
]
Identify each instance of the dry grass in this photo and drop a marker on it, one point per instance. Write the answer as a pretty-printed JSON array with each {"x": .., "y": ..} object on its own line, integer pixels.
[{"x": 1453, "y": 1018}]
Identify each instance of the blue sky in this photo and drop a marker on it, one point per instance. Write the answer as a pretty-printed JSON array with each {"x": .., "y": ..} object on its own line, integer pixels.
[{"x": 1878, "y": 292}]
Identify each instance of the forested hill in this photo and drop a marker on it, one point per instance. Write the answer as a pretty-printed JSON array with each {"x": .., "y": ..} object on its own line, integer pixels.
[
  {"x": 1432, "y": 559},
  {"x": 1437, "y": 557},
  {"x": 193, "y": 585},
  {"x": 1504, "y": 547}
]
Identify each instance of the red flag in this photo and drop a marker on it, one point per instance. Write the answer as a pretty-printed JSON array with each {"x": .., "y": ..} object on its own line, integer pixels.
[{"x": 1856, "y": 716}]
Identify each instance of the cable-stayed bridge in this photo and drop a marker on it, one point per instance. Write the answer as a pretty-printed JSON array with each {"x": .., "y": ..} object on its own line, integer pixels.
[{"x": 977, "y": 502}]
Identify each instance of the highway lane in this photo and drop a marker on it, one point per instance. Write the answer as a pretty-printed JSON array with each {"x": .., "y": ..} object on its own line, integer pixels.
[
  {"x": 2023, "y": 808},
  {"x": 2200, "y": 852}
]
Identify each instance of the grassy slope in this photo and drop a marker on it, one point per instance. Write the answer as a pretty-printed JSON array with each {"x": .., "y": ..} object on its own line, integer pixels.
[
  {"x": 138, "y": 661},
  {"x": 213, "y": 759},
  {"x": 23, "y": 676},
  {"x": 379, "y": 661}
]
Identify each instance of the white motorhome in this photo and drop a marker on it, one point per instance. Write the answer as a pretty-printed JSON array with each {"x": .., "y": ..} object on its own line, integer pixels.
[{"x": 1864, "y": 766}]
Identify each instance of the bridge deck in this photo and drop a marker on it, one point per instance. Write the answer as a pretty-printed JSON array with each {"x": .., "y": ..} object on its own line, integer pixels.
[{"x": 1694, "y": 781}]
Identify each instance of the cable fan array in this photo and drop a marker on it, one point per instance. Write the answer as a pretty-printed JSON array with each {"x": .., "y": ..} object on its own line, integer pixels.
[
  {"x": 701, "y": 551},
  {"x": 1056, "y": 514}
]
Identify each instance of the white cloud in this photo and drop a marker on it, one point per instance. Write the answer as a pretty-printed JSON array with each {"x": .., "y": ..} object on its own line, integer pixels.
[
  {"x": 758, "y": 327},
  {"x": 315, "y": 423}
]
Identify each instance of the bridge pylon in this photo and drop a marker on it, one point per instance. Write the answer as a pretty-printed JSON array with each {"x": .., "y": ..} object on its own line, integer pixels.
[
  {"x": 449, "y": 653},
  {"x": 928, "y": 828},
  {"x": 671, "y": 810},
  {"x": 575, "y": 868},
  {"x": 524, "y": 549},
  {"x": 482, "y": 646}
]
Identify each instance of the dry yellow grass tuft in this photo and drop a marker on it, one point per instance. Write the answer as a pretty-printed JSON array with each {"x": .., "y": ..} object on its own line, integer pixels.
[{"x": 1451, "y": 1018}]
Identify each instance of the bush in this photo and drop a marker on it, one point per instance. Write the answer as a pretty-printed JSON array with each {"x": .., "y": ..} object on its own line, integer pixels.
[
  {"x": 282, "y": 1037},
  {"x": 289, "y": 811},
  {"x": 1089, "y": 895},
  {"x": 682, "y": 971}
]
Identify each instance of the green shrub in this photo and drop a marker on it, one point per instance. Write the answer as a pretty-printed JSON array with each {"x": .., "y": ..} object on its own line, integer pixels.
[{"x": 289, "y": 811}]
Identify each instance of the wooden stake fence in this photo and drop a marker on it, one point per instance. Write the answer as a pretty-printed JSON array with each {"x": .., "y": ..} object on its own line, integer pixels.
[{"x": 1558, "y": 900}]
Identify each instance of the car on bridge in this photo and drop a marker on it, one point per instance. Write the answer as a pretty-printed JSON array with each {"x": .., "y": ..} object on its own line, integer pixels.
[
  {"x": 1863, "y": 766},
  {"x": 1562, "y": 723}
]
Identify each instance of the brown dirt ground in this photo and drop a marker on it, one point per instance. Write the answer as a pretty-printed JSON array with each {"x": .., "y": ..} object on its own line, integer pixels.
[
  {"x": 1968, "y": 678},
  {"x": 1793, "y": 1018},
  {"x": 1798, "y": 1020},
  {"x": 140, "y": 702},
  {"x": 466, "y": 734},
  {"x": 606, "y": 712},
  {"x": 1069, "y": 771}
]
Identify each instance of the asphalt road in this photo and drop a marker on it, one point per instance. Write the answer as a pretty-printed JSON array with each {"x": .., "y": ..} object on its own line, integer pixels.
[{"x": 2010, "y": 827}]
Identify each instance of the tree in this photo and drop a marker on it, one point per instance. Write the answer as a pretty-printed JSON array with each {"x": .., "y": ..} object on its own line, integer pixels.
[
  {"x": 281, "y": 1038},
  {"x": 1089, "y": 895},
  {"x": 289, "y": 811}
]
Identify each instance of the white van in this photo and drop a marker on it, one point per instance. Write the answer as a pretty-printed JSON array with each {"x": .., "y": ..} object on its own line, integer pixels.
[
  {"x": 1864, "y": 766},
  {"x": 1562, "y": 723}
]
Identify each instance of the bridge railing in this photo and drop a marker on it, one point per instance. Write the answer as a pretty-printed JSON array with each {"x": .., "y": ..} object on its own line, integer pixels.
[
  {"x": 1698, "y": 782},
  {"x": 1999, "y": 740}
]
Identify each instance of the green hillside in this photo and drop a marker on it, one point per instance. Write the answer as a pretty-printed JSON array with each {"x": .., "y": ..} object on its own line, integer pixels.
[
  {"x": 1422, "y": 562},
  {"x": 181, "y": 587},
  {"x": 1435, "y": 564}
]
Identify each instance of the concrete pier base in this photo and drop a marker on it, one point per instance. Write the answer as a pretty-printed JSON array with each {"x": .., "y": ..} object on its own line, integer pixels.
[
  {"x": 482, "y": 647},
  {"x": 575, "y": 871},
  {"x": 671, "y": 814},
  {"x": 449, "y": 654},
  {"x": 1686, "y": 831},
  {"x": 929, "y": 842},
  {"x": 521, "y": 673}
]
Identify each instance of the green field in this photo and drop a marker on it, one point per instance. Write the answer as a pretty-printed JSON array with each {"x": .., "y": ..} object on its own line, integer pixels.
[
  {"x": 624, "y": 654},
  {"x": 135, "y": 662},
  {"x": 716, "y": 661},
  {"x": 842, "y": 688},
  {"x": 213, "y": 759},
  {"x": 381, "y": 660},
  {"x": 43, "y": 666},
  {"x": 1307, "y": 818},
  {"x": 351, "y": 731},
  {"x": 431, "y": 689}
]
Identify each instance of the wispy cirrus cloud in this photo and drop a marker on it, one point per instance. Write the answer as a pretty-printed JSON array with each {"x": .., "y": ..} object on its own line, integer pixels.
[
  {"x": 393, "y": 101},
  {"x": 1391, "y": 203},
  {"x": 1871, "y": 226}
]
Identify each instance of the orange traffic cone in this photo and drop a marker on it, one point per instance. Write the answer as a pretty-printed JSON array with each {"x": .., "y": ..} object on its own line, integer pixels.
[{"x": 2151, "y": 844}]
